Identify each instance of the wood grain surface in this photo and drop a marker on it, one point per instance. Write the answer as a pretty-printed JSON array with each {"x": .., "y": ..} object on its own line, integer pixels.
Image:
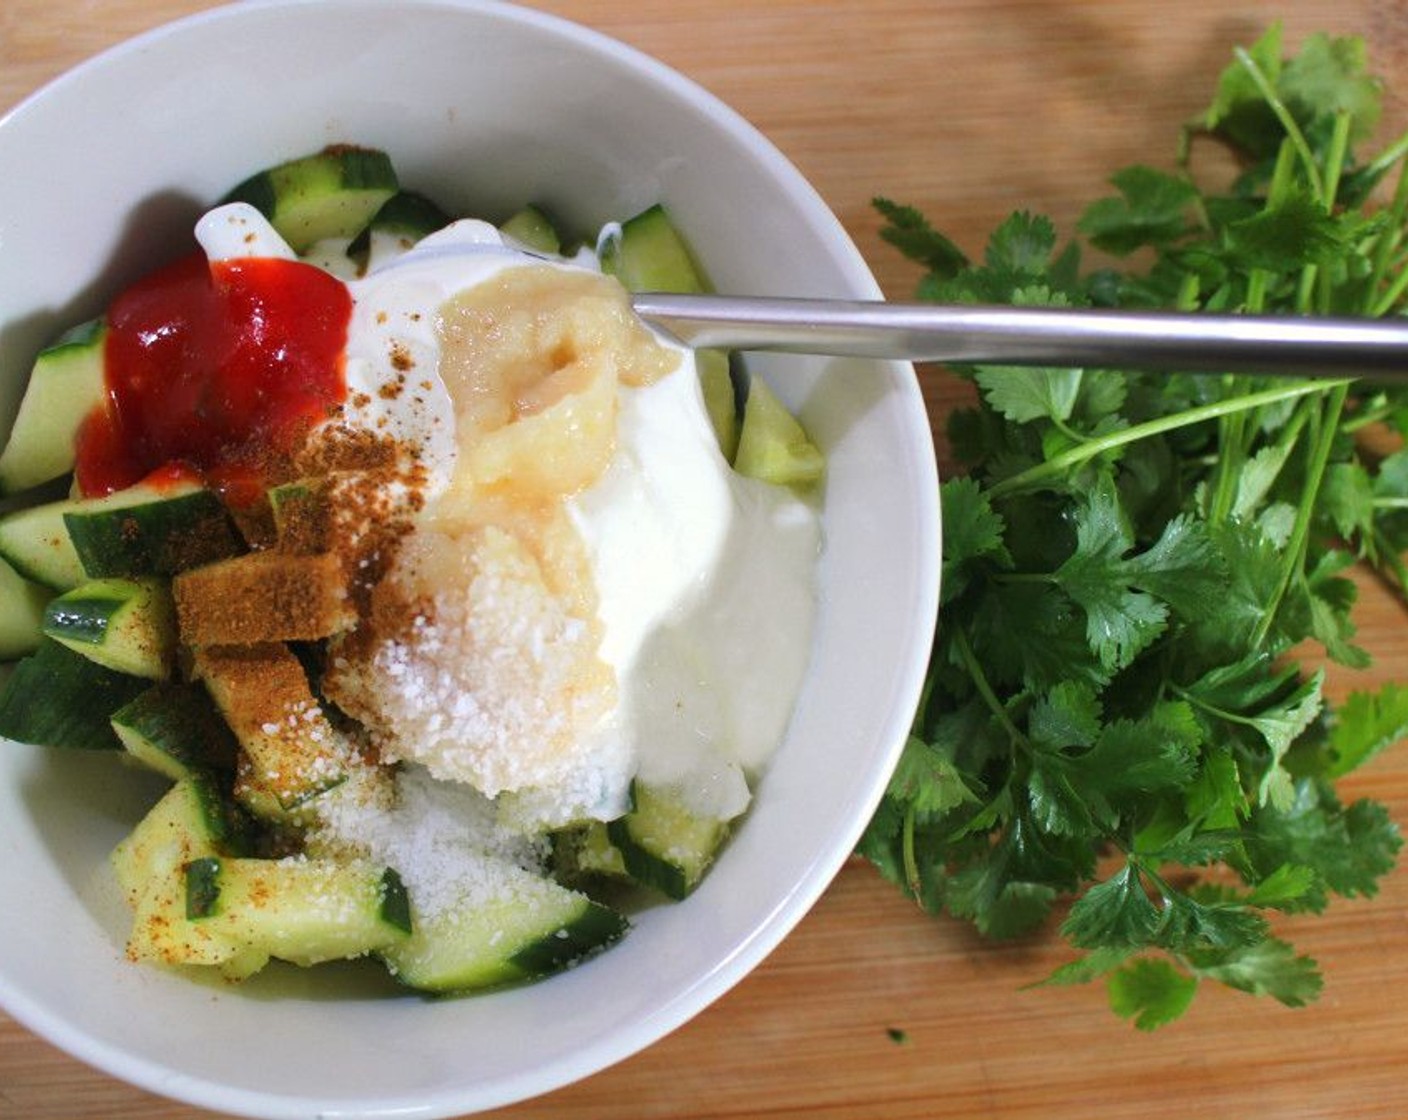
[{"x": 966, "y": 109}]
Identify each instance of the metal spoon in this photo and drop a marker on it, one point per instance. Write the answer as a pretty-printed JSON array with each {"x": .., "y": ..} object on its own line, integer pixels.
[{"x": 1292, "y": 345}]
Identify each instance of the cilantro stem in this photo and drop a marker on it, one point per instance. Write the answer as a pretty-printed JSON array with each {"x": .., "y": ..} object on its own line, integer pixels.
[
  {"x": 1334, "y": 160},
  {"x": 911, "y": 860},
  {"x": 1380, "y": 164},
  {"x": 1211, "y": 709},
  {"x": 1388, "y": 559},
  {"x": 1305, "y": 290},
  {"x": 1058, "y": 465},
  {"x": 1366, "y": 418},
  {"x": 1067, "y": 431},
  {"x": 1393, "y": 235},
  {"x": 984, "y": 686},
  {"x": 1392, "y": 296},
  {"x": 1296, "y": 548},
  {"x": 1288, "y": 121}
]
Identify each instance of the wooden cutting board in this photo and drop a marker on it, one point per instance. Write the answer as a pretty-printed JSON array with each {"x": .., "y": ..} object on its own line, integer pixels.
[{"x": 967, "y": 109}]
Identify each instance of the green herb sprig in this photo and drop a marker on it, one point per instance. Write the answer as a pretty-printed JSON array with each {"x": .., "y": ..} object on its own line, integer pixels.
[{"x": 1116, "y": 723}]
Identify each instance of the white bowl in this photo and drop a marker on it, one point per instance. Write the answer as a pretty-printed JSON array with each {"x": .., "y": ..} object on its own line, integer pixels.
[{"x": 485, "y": 106}]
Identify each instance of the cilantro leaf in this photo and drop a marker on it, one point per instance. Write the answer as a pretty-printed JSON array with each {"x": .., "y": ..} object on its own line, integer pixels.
[
  {"x": 998, "y": 903},
  {"x": 1349, "y": 848},
  {"x": 1113, "y": 914},
  {"x": 1024, "y": 395},
  {"x": 1150, "y": 992},
  {"x": 973, "y": 531},
  {"x": 927, "y": 780},
  {"x": 1239, "y": 111},
  {"x": 908, "y": 230},
  {"x": 1285, "y": 236},
  {"x": 1366, "y": 723},
  {"x": 1326, "y": 78},
  {"x": 1154, "y": 207},
  {"x": 1270, "y": 967},
  {"x": 1022, "y": 246}
]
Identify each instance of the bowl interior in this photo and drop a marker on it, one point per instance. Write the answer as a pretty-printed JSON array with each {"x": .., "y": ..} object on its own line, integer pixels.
[{"x": 484, "y": 106}]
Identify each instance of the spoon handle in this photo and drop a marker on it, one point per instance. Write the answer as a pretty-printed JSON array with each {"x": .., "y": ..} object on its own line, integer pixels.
[{"x": 1037, "y": 336}]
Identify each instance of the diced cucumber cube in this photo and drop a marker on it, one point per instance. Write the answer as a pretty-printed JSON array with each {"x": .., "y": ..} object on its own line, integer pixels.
[
  {"x": 65, "y": 385},
  {"x": 532, "y": 229},
  {"x": 663, "y": 844},
  {"x": 124, "y": 624},
  {"x": 175, "y": 730},
  {"x": 772, "y": 445},
  {"x": 22, "y": 606},
  {"x": 333, "y": 193},
  {"x": 521, "y": 928},
  {"x": 58, "y": 698}
]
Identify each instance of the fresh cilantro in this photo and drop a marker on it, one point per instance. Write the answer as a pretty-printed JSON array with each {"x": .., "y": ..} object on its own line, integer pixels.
[
  {"x": 1151, "y": 992},
  {"x": 1116, "y": 724}
]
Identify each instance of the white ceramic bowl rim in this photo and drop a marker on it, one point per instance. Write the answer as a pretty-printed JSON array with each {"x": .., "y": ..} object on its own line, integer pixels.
[{"x": 895, "y": 687}]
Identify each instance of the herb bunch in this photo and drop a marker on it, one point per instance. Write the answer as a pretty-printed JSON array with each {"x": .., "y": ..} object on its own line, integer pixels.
[{"x": 1118, "y": 722}]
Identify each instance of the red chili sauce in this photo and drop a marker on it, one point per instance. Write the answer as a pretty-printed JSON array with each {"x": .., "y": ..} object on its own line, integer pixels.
[{"x": 215, "y": 371}]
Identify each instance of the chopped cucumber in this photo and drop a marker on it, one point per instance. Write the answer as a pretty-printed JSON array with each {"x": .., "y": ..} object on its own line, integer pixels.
[
  {"x": 58, "y": 698},
  {"x": 65, "y": 385},
  {"x": 403, "y": 220},
  {"x": 772, "y": 445},
  {"x": 301, "y": 910},
  {"x": 21, "y": 613},
  {"x": 36, "y": 544},
  {"x": 663, "y": 844},
  {"x": 532, "y": 229},
  {"x": 331, "y": 193},
  {"x": 175, "y": 730},
  {"x": 527, "y": 928},
  {"x": 720, "y": 398},
  {"x": 151, "y": 531},
  {"x": 190, "y": 821},
  {"x": 289, "y": 751},
  {"x": 125, "y": 624},
  {"x": 651, "y": 255},
  {"x": 585, "y": 852},
  {"x": 140, "y": 531}
]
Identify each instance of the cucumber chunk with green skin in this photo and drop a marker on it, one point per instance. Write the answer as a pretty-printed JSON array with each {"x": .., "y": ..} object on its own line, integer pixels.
[
  {"x": 772, "y": 445},
  {"x": 22, "y": 606},
  {"x": 403, "y": 220},
  {"x": 289, "y": 751},
  {"x": 151, "y": 531},
  {"x": 332, "y": 193},
  {"x": 191, "y": 820},
  {"x": 302, "y": 910},
  {"x": 58, "y": 698},
  {"x": 650, "y": 255},
  {"x": 140, "y": 531},
  {"x": 522, "y": 928},
  {"x": 126, "y": 624},
  {"x": 175, "y": 730},
  {"x": 532, "y": 229},
  {"x": 36, "y": 544},
  {"x": 720, "y": 399},
  {"x": 663, "y": 845},
  {"x": 65, "y": 385},
  {"x": 585, "y": 852}
]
